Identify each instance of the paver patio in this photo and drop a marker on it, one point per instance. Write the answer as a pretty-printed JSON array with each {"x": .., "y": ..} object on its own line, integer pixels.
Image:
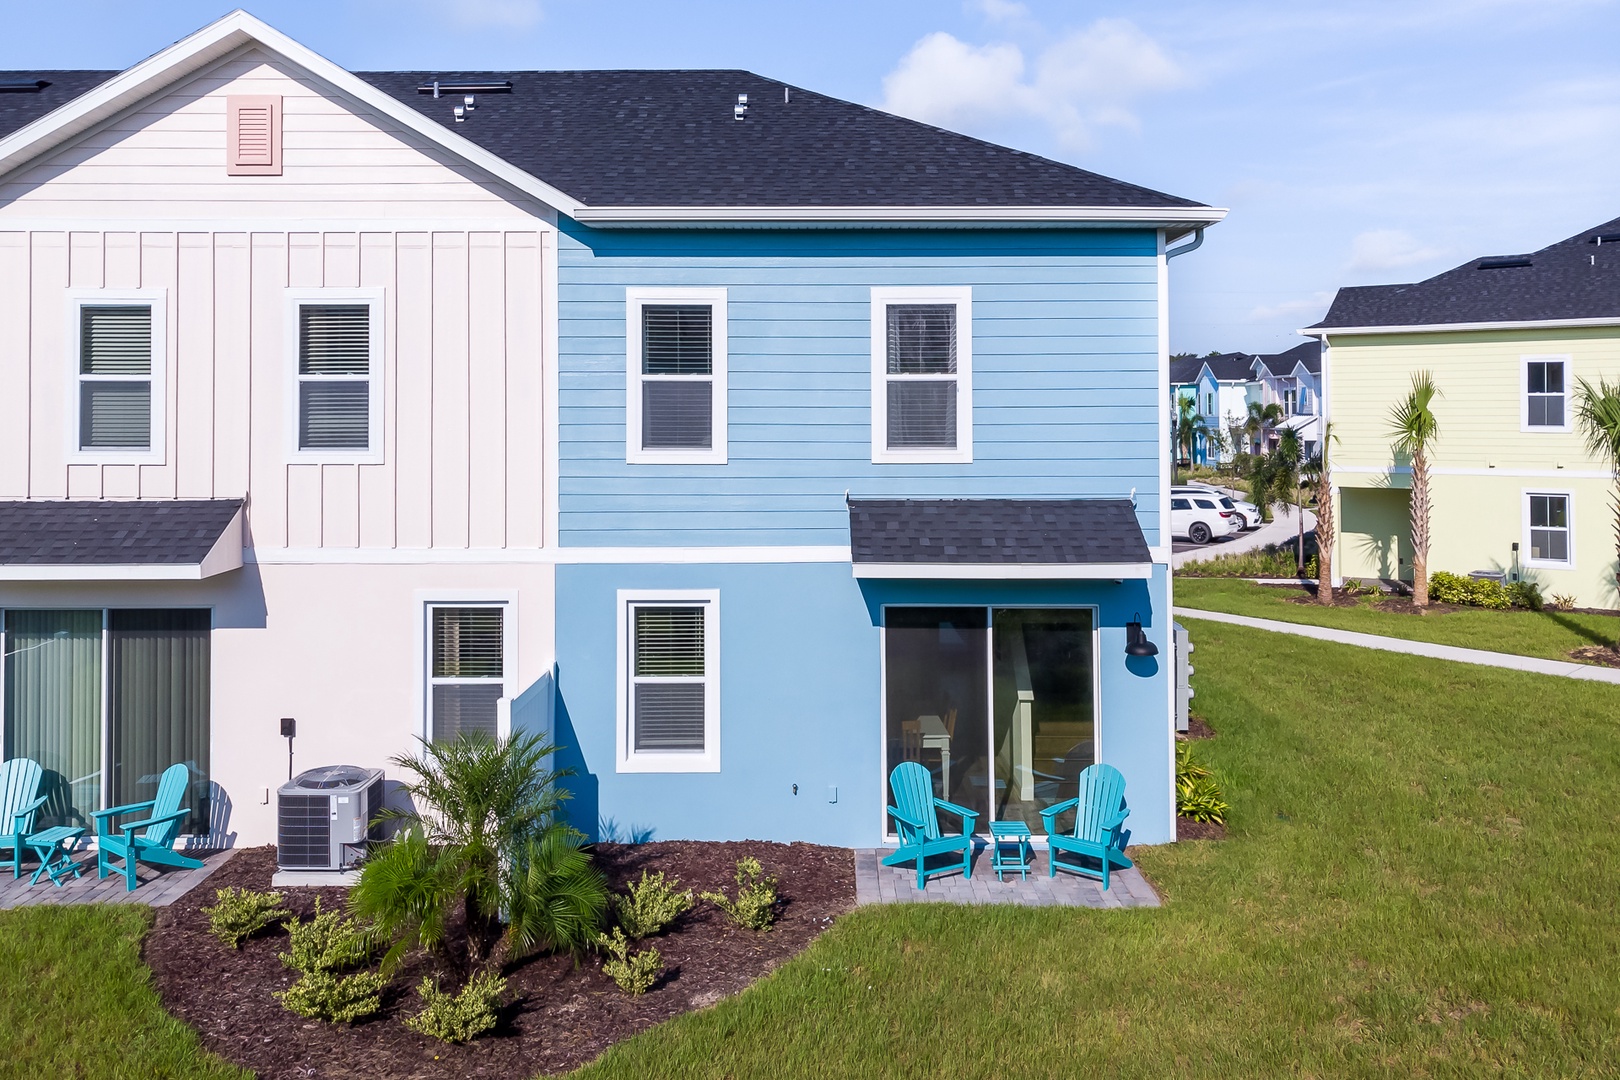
[
  {"x": 158, "y": 888},
  {"x": 879, "y": 884}
]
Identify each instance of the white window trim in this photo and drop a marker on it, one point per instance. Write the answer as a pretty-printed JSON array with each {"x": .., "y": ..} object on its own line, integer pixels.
[
  {"x": 627, "y": 759},
  {"x": 156, "y": 452},
  {"x": 428, "y": 599},
  {"x": 962, "y": 297},
  {"x": 1569, "y": 525},
  {"x": 374, "y": 452},
  {"x": 1524, "y": 394},
  {"x": 634, "y": 300}
]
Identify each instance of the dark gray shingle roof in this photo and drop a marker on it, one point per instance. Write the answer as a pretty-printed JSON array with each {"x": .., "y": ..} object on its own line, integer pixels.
[
  {"x": 1231, "y": 367},
  {"x": 996, "y": 531},
  {"x": 1185, "y": 369},
  {"x": 1307, "y": 352},
  {"x": 1575, "y": 278},
  {"x": 56, "y": 533},
  {"x": 667, "y": 138}
]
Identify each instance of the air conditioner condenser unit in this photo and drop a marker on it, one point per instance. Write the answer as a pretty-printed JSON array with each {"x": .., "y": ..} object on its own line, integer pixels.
[{"x": 324, "y": 816}]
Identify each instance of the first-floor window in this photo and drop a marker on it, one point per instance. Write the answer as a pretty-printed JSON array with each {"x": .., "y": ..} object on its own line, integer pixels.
[
  {"x": 108, "y": 749},
  {"x": 1549, "y": 529},
  {"x": 670, "y": 683},
  {"x": 467, "y": 670}
]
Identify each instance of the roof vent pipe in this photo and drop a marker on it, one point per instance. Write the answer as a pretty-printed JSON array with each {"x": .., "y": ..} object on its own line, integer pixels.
[{"x": 739, "y": 111}]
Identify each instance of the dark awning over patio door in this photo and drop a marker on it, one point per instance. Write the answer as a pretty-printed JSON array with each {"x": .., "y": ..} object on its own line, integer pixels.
[{"x": 134, "y": 540}]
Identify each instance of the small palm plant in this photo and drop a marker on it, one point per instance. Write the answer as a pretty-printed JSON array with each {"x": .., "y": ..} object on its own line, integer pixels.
[
  {"x": 1318, "y": 472},
  {"x": 484, "y": 838},
  {"x": 1414, "y": 429},
  {"x": 1597, "y": 410}
]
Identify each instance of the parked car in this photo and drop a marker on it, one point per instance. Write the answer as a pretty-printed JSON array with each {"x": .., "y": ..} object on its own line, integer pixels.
[
  {"x": 1199, "y": 517},
  {"x": 1248, "y": 514}
]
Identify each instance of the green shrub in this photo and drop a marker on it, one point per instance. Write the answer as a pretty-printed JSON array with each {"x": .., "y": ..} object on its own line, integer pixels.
[
  {"x": 328, "y": 943},
  {"x": 755, "y": 906},
  {"x": 1185, "y": 765},
  {"x": 651, "y": 904},
  {"x": 1445, "y": 588},
  {"x": 634, "y": 972},
  {"x": 238, "y": 914},
  {"x": 458, "y": 1018},
  {"x": 337, "y": 999},
  {"x": 1524, "y": 594},
  {"x": 1200, "y": 799}
]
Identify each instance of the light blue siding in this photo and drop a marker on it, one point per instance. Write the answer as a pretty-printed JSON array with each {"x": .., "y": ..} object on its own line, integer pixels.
[
  {"x": 800, "y": 702},
  {"x": 1065, "y": 383}
]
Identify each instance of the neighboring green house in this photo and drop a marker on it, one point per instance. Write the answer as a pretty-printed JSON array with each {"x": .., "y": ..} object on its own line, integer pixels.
[{"x": 1514, "y": 489}]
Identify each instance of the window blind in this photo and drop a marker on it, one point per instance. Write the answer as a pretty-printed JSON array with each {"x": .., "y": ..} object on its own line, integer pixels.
[
  {"x": 922, "y": 339},
  {"x": 669, "y": 641},
  {"x": 669, "y": 716},
  {"x": 677, "y": 339},
  {"x": 677, "y": 415},
  {"x": 116, "y": 340},
  {"x": 334, "y": 411},
  {"x": 467, "y": 643},
  {"x": 158, "y": 704},
  {"x": 922, "y": 413},
  {"x": 115, "y": 415},
  {"x": 669, "y": 654}
]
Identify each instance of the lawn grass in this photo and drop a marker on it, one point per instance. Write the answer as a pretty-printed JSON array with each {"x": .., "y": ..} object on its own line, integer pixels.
[
  {"x": 1547, "y": 634},
  {"x": 76, "y": 1001},
  {"x": 1419, "y": 881}
]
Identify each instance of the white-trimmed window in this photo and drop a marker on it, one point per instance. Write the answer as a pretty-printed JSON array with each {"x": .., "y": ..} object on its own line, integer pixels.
[
  {"x": 922, "y": 374},
  {"x": 335, "y": 392},
  {"x": 675, "y": 378},
  {"x": 1546, "y": 394},
  {"x": 466, "y": 668},
  {"x": 116, "y": 398},
  {"x": 669, "y": 682},
  {"x": 1209, "y": 404},
  {"x": 1549, "y": 535}
]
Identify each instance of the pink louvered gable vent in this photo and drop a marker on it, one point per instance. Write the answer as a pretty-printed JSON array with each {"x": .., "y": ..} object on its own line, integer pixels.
[{"x": 253, "y": 135}]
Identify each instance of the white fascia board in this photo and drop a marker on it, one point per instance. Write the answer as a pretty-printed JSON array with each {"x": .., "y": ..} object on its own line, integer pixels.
[
  {"x": 217, "y": 40},
  {"x": 1146, "y": 217},
  {"x": 1439, "y": 328},
  {"x": 102, "y": 572},
  {"x": 1004, "y": 571}
]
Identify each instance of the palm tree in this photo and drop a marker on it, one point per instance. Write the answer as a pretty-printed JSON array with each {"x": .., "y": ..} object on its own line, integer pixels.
[
  {"x": 1188, "y": 425},
  {"x": 1597, "y": 409},
  {"x": 1413, "y": 426},
  {"x": 1287, "y": 461},
  {"x": 1261, "y": 419},
  {"x": 1317, "y": 470}
]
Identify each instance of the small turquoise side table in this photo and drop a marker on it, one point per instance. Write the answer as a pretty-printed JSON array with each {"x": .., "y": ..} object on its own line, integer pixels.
[
  {"x": 54, "y": 848},
  {"x": 1010, "y": 849}
]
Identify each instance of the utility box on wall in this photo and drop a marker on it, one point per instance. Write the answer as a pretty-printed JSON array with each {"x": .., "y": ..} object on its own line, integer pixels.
[{"x": 1184, "y": 670}]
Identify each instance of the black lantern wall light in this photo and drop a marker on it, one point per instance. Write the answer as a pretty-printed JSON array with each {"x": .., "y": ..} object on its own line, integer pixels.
[{"x": 1136, "y": 641}]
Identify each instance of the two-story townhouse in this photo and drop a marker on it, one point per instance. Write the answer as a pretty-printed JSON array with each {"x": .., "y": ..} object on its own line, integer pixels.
[
  {"x": 1220, "y": 387},
  {"x": 1514, "y": 488},
  {"x": 1292, "y": 380},
  {"x": 746, "y": 440}
]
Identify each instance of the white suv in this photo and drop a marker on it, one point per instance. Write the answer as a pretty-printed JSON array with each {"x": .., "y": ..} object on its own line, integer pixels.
[
  {"x": 1247, "y": 514},
  {"x": 1199, "y": 517}
]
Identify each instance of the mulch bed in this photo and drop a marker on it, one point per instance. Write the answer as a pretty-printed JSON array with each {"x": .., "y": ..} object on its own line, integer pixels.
[
  {"x": 561, "y": 1015},
  {"x": 1188, "y": 829},
  {"x": 1603, "y": 655},
  {"x": 1198, "y": 727}
]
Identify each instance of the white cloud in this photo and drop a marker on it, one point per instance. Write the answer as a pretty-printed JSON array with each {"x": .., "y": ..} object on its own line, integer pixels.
[
  {"x": 1315, "y": 305},
  {"x": 1388, "y": 249},
  {"x": 1002, "y": 11},
  {"x": 1088, "y": 79},
  {"x": 512, "y": 14}
]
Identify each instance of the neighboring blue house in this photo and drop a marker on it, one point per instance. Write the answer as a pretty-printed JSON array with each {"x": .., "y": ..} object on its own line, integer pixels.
[{"x": 1220, "y": 386}]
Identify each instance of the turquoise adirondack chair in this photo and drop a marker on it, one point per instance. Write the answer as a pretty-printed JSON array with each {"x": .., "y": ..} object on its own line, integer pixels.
[
  {"x": 20, "y": 800},
  {"x": 151, "y": 839},
  {"x": 1098, "y": 814},
  {"x": 916, "y": 820}
]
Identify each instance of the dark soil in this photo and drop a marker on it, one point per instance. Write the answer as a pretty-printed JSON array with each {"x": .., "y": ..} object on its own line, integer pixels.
[
  {"x": 1399, "y": 605},
  {"x": 1188, "y": 829},
  {"x": 1198, "y": 727},
  {"x": 560, "y": 1015},
  {"x": 1604, "y": 655}
]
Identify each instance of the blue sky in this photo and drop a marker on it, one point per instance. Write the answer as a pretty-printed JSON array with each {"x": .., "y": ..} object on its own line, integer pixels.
[{"x": 1355, "y": 143}]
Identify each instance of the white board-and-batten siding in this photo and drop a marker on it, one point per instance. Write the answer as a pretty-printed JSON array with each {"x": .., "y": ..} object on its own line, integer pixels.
[{"x": 461, "y": 318}]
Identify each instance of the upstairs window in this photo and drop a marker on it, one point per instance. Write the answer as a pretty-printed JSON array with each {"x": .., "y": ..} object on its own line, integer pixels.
[
  {"x": 1546, "y": 393},
  {"x": 1290, "y": 402},
  {"x": 1209, "y": 404},
  {"x": 253, "y": 135},
  {"x": 467, "y": 672},
  {"x": 336, "y": 386},
  {"x": 922, "y": 365},
  {"x": 669, "y": 683},
  {"x": 676, "y": 376},
  {"x": 116, "y": 400}
]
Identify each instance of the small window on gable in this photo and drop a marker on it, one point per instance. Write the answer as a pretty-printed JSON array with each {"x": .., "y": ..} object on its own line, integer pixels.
[
  {"x": 336, "y": 387},
  {"x": 253, "y": 135},
  {"x": 116, "y": 400},
  {"x": 922, "y": 375},
  {"x": 1546, "y": 393},
  {"x": 675, "y": 390}
]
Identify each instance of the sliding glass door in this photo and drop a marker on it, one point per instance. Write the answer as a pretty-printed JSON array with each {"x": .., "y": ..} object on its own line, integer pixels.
[
  {"x": 132, "y": 684},
  {"x": 999, "y": 704},
  {"x": 53, "y": 707}
]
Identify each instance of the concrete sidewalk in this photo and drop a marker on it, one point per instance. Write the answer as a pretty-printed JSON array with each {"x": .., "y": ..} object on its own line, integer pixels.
[{"x": 1563, "y": 668}]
